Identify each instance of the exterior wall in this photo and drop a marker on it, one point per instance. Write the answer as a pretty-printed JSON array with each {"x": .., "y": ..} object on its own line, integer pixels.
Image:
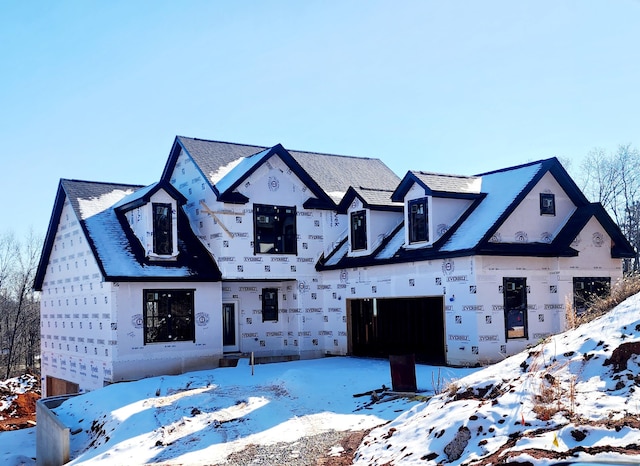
[
  {"x": 310, "y": 320},
  {"x": 444, "y": 212},
  {"x": 526, "y": 225},
  {"x": 306, "y": 324},
  {"x": 91, "y": 329},
  {"x": 135, "y": 359},
  {"x": 472, "y": 289},
  {"x": 594, "y": 259},
  {"x": 545, "y": 303},
  {"x": 75, "y": 309},
  {"x": 273, "y": 183}
]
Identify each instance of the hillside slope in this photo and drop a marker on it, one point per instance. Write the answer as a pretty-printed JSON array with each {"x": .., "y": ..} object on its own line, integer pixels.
[{"x": 574, "y": 396}]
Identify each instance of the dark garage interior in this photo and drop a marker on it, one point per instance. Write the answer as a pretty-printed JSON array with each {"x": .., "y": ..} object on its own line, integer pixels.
[{"x": 392, "y": 326}]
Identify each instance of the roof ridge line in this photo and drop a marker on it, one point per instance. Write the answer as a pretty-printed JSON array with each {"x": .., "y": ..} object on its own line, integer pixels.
[{"x": 73, "y": 180}]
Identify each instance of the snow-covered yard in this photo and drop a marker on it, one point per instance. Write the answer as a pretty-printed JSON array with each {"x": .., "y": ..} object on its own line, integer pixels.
[{"x": 573, "y": 397}]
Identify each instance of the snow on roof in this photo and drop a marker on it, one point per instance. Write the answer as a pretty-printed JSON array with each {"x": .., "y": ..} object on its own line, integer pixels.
[
  {"x": 222, "y": 171},
  {"x": 340, "y": 252},
  {"x": 114, "y": 250},
  {"x": 137, "y": 194},
  {"x": 118, "y": 251},
  {"x": 450, "y": 183},
  {"x": 94, "y": 205},
  {"x": 392, "y": 246},
  {"x": 336, "y": 196},
  {"x": 241, "y": 167},
  {"x": 501, "y": 189}
]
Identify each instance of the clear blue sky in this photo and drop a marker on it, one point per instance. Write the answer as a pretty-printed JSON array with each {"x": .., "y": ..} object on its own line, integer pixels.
[{"x": 97, "y": 90}]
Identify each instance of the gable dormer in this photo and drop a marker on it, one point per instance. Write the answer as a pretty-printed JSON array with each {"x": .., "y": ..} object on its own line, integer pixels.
[
  {"x": 433, "y": 203},
  {"x": 372, "y": 216},
  {"x": 152, "y": 215}
]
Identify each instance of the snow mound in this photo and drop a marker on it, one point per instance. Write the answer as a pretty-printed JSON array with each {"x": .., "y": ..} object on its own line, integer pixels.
[{"x": 574, "y": 396}]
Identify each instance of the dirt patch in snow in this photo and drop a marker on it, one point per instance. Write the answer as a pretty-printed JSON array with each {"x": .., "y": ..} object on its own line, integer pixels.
[{"x": 18, "y": 398}]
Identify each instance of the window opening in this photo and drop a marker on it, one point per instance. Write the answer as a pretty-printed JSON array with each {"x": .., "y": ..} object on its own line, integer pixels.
[
  {"x": 275, "y": 229},
  {"x": 547, "y": 204},
  {"x": 358, "y": 230},
  {"x": 587, "y": 289},
  {"x": 168, "y": 316},
  {"x": 418, "y": 221},
  {"x": 515, "y": 307},
  {"x": 269, "y": 304},
  {"x": 162, "y": 229}
]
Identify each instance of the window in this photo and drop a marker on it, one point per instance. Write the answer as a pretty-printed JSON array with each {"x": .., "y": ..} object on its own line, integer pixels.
[
  {"x": 547, "y": 204},
  {"x": 269, "y": 304},
  {"x": 162, "y": 229},
  {"x": 168, "y": 316},
  {"x": 358, "y": 230},
  {"x": 515, "y": 307},
  {"x": 275, "y": 229},
  {"x": 587, "y": 289},
  {"x": 418, "y": 221}
]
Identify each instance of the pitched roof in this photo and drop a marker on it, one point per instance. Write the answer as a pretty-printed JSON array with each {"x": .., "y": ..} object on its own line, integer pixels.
[
  {"x": 117, "y": 251},
  {"x": 439, "y": 184},
  {"x": 333, "y": 174},
  {"x": 501, "y": 192},
  {"x": 374, "y": 198}
]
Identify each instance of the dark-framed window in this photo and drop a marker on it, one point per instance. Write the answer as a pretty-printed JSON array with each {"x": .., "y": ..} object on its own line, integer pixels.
[
  {"x": 515, "y": 307},
  {"x": 418, "y": 220},
  {"x": 168, "y": 315},
  {"x": 547, "y": 204},
  {"x": 275, "y": 229},
  {"x": 269, "y": 304},
  {"x": 587, "y": 289},
  {"x": 358, "y": 230},
  {"x": 162, "y": 229}
]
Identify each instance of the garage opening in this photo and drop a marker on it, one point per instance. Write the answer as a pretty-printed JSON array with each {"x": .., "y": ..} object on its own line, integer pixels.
[{"x": 380, "y": 327}]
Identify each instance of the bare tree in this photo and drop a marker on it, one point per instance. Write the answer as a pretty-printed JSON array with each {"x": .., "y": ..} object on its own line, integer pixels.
[
  {"x": 614, "y": 181},
  {"x": 19, "y": 304}
]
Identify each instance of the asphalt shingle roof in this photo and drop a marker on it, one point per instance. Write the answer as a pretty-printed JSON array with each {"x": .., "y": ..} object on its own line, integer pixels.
[
  {"x": 449, "y": 183},
  {"x": 333, "y": 173}
]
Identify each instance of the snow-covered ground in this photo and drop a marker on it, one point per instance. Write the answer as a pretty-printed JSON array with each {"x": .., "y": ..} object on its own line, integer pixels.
[
  {"x": 556, "y": 402},
  {"x": 202, "y": 417},
  {"x": 559, "y": 401}
]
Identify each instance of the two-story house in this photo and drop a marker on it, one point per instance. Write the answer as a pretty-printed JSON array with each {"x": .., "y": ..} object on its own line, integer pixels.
[{"x": 244, "y": 249}]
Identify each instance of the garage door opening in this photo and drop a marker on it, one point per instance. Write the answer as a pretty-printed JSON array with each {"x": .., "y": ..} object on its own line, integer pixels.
[{"x": 380, "y": 327}]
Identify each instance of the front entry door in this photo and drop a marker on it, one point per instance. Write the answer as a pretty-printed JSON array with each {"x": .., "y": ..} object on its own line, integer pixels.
[{"x": 230, "y": 327}]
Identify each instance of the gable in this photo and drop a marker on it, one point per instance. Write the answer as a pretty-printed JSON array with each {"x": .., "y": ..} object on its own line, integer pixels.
[
  {"x": 84, "y": 200},
  {"x": 269, "y": 181},
  {"x": 528, "y": 223},
  {"x": 503, "y": 190}
]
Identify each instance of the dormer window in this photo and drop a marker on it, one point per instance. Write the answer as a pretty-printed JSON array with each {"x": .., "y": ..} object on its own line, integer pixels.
[
  {"x": 547, "y": 204},
  {"x": 162, "y": 229},
  {"x": 358, "y": 230},
  {"x": 418, "y": 221}
]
